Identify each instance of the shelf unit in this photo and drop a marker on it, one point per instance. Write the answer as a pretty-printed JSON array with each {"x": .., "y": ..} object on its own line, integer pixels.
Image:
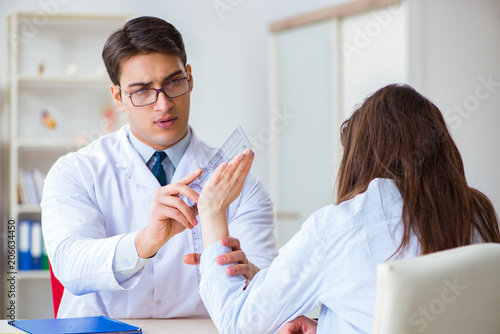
[{"x": 53, "y": 66}]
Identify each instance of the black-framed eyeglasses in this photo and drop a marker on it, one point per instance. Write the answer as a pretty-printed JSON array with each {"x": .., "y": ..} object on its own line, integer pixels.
[{"x": 146, "y": 96}]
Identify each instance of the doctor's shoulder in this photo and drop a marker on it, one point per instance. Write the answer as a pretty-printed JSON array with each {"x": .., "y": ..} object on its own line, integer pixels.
[
  {"x": 102, "y": 151},
  {"x": 203, "y": 150}
]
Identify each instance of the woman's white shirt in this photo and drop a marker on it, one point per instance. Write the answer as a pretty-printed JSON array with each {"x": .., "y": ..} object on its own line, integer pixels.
[{"x": 331, "y": 261}]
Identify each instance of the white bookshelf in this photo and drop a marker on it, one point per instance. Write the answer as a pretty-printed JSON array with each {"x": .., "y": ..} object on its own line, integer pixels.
[
  {"x": 57, "y": 68},
  {"x": 33, "y": 274},
  {"x": 61, "y": 81}
]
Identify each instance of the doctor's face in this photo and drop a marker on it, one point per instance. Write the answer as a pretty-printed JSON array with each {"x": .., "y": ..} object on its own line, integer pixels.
[{"x": 164, "y": 122}]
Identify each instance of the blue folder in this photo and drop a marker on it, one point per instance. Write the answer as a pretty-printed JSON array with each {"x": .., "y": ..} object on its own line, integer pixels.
[
  {"x": 24, "y": 244},
  {"x": 83, "y": 325}
]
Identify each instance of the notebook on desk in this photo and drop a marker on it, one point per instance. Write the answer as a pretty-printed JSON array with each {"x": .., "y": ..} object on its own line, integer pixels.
[{"x": 84, "y": 325}]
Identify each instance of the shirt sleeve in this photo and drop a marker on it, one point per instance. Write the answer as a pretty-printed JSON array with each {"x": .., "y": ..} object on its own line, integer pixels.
[
  {"x": 291, "y": 286},
  {"x": 251, "y": 220},
  {"x": 127, "y": 261},
  {"x": 78, "y": 246}
]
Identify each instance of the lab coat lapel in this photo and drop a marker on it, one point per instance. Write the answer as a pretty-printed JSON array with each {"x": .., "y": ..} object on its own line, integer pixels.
[
  {"x": 130, "y": 165},
  {"x": 196, "y": 156}
]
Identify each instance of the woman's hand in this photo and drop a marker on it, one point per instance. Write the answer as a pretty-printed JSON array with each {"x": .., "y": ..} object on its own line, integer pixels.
[
  {"x": 223, "y": 187},
  {"x": 225, "y": 184},
  {"x": 300, "y": 325}
]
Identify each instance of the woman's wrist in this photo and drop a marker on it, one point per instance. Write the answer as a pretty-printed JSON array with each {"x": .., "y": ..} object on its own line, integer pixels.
[
  {"x": 213, "y": 226},
  {"x": 211, "y": 210}
]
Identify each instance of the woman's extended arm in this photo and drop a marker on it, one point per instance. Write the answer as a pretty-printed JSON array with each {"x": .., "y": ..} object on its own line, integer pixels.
[{"x": 292, "y": 285}]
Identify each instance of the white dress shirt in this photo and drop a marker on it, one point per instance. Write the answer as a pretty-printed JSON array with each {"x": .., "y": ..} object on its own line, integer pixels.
[
  {"x": 331, "y": 261},
  {"x": 102, "y": 193}
]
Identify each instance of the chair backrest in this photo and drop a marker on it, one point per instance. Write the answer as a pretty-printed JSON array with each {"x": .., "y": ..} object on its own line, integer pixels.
[
  {"x": 454, "y": 291},
  {"x": 57, "y": 291}
]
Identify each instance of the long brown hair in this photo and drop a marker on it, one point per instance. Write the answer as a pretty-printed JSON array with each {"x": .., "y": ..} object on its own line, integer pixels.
[{"x": 399, "y": 134}]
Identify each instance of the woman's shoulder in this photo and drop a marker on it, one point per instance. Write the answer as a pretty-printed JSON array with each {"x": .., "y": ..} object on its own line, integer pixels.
[{"x": 381, "y": 201}]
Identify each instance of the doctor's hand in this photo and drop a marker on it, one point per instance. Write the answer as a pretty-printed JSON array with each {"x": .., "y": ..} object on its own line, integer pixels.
[
  {"x": 242, "y": 266},
  {"x": 169, "y": 215},
  {"x": 300, "y": 325}
]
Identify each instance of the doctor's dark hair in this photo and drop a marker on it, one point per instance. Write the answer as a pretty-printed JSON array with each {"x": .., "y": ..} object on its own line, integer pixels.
[
  {"x": 399, "y": 134},
  {"x": 142, "y": 35}
]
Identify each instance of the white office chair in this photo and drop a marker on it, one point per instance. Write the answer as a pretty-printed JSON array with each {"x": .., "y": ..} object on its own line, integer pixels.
[{"x": 450, "y": 292}]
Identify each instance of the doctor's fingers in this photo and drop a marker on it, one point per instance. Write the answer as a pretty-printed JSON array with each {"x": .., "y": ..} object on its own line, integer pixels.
[
  {"x": 176, "y": 208},
  {"x": 238, "y": 269},
  {"x": 237, "y": 256},
  {"x": 175, "y": 221},
  {"x": 192, "y": 259},
  {"x": 232, "y": 242},
  {"x": 241, "y": 265},
  {"x": 191, "y": 177},
  {"x": 176, "y": 189}
]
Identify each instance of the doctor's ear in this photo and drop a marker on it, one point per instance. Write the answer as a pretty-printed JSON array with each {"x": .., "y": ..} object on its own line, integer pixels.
[
  {"x": 190, "y": 75},
  {"x": 117, "y": 97}
]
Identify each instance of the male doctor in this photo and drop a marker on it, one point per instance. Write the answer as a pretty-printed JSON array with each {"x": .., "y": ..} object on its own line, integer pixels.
[{"x": 115, "y": 226}]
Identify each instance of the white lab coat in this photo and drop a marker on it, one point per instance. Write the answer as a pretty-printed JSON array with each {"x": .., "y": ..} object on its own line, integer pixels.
[{"x": 95, "y": 196}]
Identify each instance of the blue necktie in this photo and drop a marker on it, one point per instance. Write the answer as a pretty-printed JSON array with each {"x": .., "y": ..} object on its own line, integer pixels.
[{"x": 158, "y": 169}]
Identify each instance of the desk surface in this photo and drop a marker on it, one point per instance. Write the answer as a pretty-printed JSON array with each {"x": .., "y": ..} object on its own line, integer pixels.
[{"x": 150, "y": 326}]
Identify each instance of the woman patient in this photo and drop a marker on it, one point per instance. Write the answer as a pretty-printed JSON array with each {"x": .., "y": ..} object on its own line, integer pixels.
[{"x": 401, "y": 192}]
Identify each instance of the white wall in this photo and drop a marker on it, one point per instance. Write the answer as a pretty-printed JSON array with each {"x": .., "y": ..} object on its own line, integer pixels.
[
  {"x": 461, "y": 75},
  {"x": 373, "y": 54}
]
